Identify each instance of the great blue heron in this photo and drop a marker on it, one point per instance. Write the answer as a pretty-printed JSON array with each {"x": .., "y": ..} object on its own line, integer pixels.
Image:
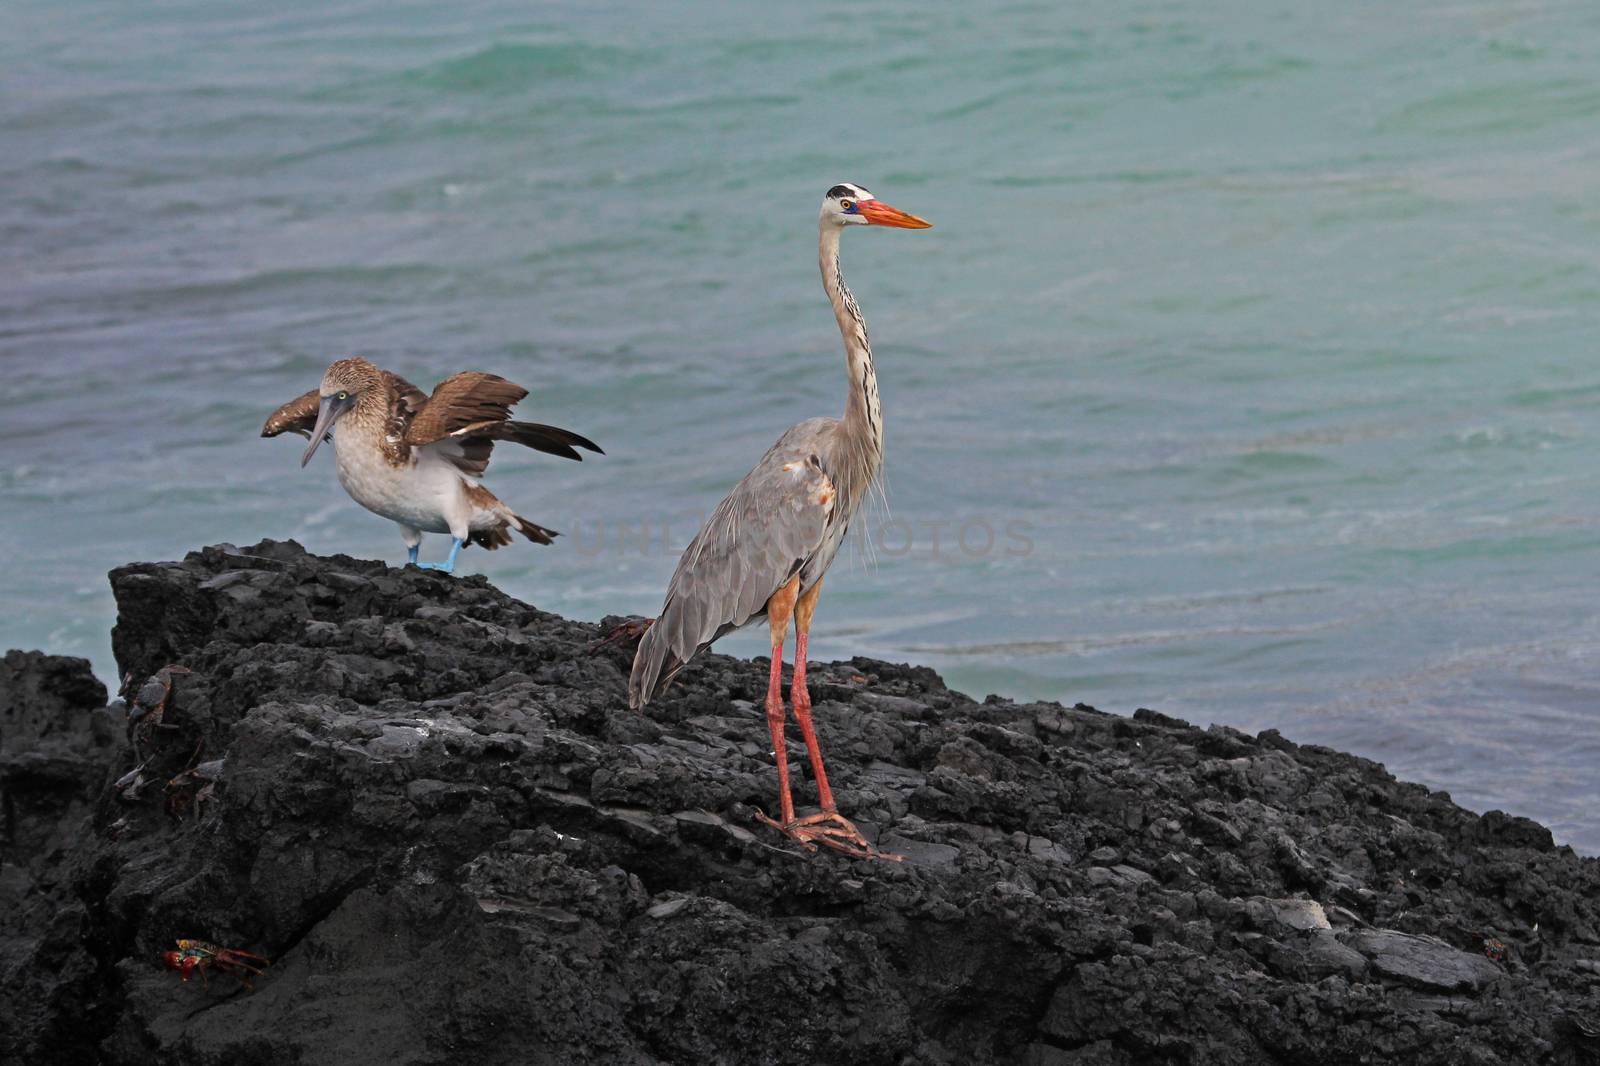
[
  {"x": 764, "y": 550},
  {"x": 417, "y": 459}
]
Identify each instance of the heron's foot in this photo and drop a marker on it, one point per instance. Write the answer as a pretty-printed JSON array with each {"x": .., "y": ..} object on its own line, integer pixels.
[
  {"x": 628, "y": 633},
  {"x": 832, "y": 830}
]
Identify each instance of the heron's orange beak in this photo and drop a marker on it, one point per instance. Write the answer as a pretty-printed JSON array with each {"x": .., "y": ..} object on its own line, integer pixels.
[{"x": 881, "y": 214}]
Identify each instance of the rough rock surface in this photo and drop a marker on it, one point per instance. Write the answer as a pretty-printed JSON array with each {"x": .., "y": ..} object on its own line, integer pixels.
[{"x": 437, "y": 817}]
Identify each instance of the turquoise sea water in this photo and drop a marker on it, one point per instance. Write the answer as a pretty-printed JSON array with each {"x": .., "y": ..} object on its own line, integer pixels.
[{"x": 1261, "y": 343}]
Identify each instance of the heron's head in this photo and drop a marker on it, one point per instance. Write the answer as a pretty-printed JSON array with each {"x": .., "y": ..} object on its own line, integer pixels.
[
  {"x": 848, "y": 204},
  {"x": 343, "y": 386}
]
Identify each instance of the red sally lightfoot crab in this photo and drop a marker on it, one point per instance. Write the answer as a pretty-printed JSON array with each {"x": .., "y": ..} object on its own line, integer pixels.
[
  {"x": 193, "y": 787},
  {"x": 147, "y": 705},
  {"x": 626, "y": 635},
  {"x": 195, "y": 955}
]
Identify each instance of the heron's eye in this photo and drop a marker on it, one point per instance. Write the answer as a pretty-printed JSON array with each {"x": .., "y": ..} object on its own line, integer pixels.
[
  {"x": 846, "y": 204},
  {"x": 344, "y": 395}
]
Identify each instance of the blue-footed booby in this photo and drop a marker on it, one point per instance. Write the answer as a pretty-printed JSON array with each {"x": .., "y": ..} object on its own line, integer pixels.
[{"x": 417, "y": 459}]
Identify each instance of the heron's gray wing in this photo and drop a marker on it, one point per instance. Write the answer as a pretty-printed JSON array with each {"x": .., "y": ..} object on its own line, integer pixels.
[
  {"x": 754, "y": 542},
  {"x": 299, "y": 415}
]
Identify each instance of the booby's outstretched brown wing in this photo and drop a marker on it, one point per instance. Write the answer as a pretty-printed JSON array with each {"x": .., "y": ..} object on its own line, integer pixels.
[
  {"x": 299, "y": 415},
  {"x": 467, "y": 413},
  {"x": 461, "y": 402},
  {"x": 405, "y": 402},
  {"x": 411, "y": 398}
]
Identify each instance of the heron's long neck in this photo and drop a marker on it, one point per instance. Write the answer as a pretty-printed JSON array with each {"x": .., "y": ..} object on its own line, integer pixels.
[{"x": 863, "y": 417}]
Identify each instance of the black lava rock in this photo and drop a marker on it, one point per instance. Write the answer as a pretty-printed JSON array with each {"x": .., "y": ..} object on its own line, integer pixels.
[{"x": 428, "y": 804}]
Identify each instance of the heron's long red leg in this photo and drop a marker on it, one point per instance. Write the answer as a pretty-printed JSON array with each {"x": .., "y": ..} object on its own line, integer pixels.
[
  {"x": 827, "y": 826},
  {"x": 800, "y": 696},
  {"x": 779, "y": 608},
  {"x": 775, "y": 718}
]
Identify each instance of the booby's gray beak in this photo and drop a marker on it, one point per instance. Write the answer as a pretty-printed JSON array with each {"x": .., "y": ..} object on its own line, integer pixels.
[{"x": 331, "y": 411}]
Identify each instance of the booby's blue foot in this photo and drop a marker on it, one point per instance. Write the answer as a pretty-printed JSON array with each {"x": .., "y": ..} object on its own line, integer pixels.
[
  {"x": 449, "y": 565},
  {"x": 411, "y": 554}
]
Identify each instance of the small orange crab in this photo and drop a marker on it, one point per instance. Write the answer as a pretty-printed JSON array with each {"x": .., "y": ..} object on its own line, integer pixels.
[{"x": 195, "y": 955}]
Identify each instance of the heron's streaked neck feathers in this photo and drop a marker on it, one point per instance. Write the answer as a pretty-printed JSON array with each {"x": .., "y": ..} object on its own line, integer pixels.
[{"x": 862, "y": 426}]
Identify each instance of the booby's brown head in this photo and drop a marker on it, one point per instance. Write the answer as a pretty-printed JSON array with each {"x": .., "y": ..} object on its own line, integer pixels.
[{"x": 345, "y": 384}]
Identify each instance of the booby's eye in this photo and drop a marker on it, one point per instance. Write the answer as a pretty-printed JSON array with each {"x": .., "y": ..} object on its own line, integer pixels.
[
  {"x": 846, "y": 205},
  {"x": 343, "y": 395}
]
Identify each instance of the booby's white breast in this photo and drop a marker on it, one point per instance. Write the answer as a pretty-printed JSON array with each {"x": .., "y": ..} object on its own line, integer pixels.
[{"x": 425, "y": 492}]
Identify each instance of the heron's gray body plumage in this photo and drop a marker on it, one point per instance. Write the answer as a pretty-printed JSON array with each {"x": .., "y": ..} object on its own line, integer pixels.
[{"x": 788, "y": 516}]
